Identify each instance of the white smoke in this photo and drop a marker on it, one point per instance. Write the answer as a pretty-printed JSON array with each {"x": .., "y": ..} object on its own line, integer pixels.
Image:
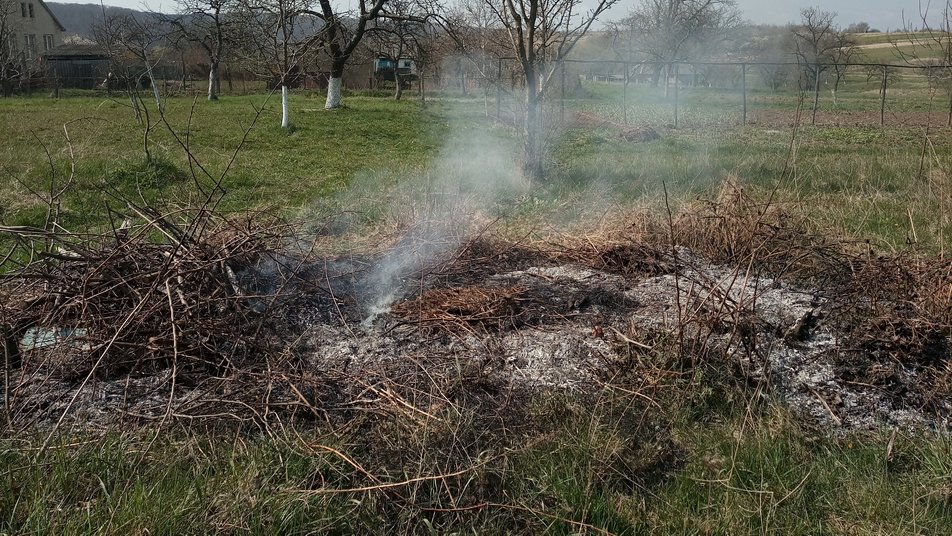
[{"x": 473, "y": 173}]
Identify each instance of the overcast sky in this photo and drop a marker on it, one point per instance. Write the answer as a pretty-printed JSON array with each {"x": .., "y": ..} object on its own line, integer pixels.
[{"x": 881, "y": 14}]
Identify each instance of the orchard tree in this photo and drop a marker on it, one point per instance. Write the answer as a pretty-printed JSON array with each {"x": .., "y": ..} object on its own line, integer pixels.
[
  {"x": 210, "y": 24},
  {"x": 476, "y": 39},
  {"x": 9, "y": 25},
  {"x": 402, "y": 38},
  {"x": 343, "y": 32},
  {"x": 273, "y": 42},
  {"x": 815, "y": 42},
  {"x": 541, "y": 34},
  {"x": 932, "y": 46},
  {"x": 670, "y": 31}
]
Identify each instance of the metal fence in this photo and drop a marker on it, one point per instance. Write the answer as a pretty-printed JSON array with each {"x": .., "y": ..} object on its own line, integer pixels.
[
  {"x": 678, "y": 94},
  {"x": 861, "y": 93}
]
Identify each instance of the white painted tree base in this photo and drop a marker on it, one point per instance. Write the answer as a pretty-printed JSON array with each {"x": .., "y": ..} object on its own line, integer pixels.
[
  {"x": 284, "y": 107},
  {"x": 333, "y": 94}
]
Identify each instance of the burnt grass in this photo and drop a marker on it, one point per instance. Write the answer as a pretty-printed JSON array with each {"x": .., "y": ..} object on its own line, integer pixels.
[
  {"x": 490, "y": 348},
  {"x": 219, "y": 335}
]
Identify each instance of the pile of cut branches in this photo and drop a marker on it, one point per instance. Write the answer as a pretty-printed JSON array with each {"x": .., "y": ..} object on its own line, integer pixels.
[
  {"x": 473, "y": 309},
  {"x": 154, "y": 293}
]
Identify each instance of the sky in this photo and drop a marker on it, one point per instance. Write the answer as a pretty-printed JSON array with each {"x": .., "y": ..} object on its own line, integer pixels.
[{"x": 880, "y": 14}]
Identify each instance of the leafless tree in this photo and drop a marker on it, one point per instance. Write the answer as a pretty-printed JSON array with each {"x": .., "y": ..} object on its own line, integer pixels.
[
  {"x": 821, "y": 46},
  {"x": 343, "y": 32},
  {"x": 772, "y": 49},
  {"x": 402, "y": 38},
  {"x": 9, "y": 25},
  {"x": 135, "y": 47},
  {"x": 858, "y": 28},
  {"x": 669, "y": 31},
  {"x": 477, "y": 40},
  {"x": 275, "y": 39},
  {"x": 931, "y": 47},
  {"x": 209, "y": 24},
  {"x": 841, "y": 55},
  {"x": 815, "y": 42},
  {"x": 541, "y": 33}
]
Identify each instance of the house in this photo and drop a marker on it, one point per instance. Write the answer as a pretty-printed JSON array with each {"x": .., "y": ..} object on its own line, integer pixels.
[
  {"x": 385, "y": 70},
  {"x": 82, "y": 66},
  {"x": 34, "y": 32}
]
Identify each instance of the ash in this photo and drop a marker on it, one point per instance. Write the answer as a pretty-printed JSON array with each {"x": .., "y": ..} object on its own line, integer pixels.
[{"x": 527, "y": 323}]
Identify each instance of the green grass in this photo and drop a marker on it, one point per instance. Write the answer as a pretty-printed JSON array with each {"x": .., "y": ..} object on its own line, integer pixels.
[
  {"x": 580, "y": 464},
  {"x": 704, "y": 465},
  {"x": 319, "y": 157},
  {"x": 864, "y": 182}
]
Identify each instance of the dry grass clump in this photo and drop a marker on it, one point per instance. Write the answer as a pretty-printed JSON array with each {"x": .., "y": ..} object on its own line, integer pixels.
[{"x": 738, "y": 229}]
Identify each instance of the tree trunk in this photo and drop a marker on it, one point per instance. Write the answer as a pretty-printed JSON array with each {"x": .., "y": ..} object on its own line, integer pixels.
[
  {"x": 398, "y": 81},
  {"x": 334, "y": 86},
  {"x": 333, "y": 93},
  {"x": 532, "y": 165},
  {"x": 656, "y": 74},
  {"x": 422, "y": 89},
  {"x": 285, "y": 123},
  {"x": 213, "y": 81}
]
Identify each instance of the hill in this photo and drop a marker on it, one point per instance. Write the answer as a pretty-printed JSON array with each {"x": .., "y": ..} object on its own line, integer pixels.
[{"x": 79, "y": 19}]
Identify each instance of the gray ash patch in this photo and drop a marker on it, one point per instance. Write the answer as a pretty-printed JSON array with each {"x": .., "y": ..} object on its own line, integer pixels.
[{"x": 574, "y": 326}]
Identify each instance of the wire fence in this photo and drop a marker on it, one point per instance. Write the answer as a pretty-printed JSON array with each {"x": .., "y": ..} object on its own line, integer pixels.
[
  {"x": 688, "y": 94},
  {"x": 640, "y": 93}
]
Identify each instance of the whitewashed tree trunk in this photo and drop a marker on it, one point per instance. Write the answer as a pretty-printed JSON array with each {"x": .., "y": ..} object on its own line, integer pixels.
[
  {"x": 333, "y": 93},
  {"x": 284, "y": 107},
  {"x": 155, "y": 87},
  {"x": 213, "y": 81}
]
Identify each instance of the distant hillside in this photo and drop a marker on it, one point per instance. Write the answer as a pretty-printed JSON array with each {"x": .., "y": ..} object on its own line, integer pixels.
[{"x": 79, "y": 19}]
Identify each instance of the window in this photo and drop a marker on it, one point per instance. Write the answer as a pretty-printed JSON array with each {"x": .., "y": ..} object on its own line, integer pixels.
[
  {"x": 29, "y": 46},
  {"x": 31, "y": 11},
  {"x": 23, "y": 10},
  {"x": 47, "y": 42}
]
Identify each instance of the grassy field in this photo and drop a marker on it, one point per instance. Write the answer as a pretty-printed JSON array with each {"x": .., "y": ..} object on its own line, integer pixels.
[
  {"x": 868, "y": 182},
  {"x": 581, "y": 468},
  {"x": 710, "y": 459}
]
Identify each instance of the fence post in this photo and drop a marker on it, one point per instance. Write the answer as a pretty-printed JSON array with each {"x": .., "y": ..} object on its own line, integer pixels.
[
  {"x": 882, "y": 102},
  {"x": 498, "y": 87},
  {"x": 743, "y": 84},
  {"x": 625, "y": 93},
  {"x": 816, "y": 90},
  {"x": 562, "y": 99},
  {"x": 677, "y": 86}
]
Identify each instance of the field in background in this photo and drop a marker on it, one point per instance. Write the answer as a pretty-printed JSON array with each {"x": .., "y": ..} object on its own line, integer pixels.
[
  {"x": 889, "y": 185},
  {"x": 730, "y": 462}
]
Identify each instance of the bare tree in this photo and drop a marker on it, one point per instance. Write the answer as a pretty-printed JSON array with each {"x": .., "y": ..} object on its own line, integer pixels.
[
  {"x": 841, "y": 55},
  {"x": 771, "y": 49},
  {"x": 9, "y": 57},
  {"x": 541, "y": 34},
  {"x": 343, "y": 32},
  {"x": 478, "y": 40},
  {"x": 815, "y": 42},
  {"x": 401, "y": 39},
  {"x": 128, "y": 41},
  {"x": 209, "y": 24},
  {"x": 135, "y": 47},
  {"x": 669, "y": 31},
  {"x": 858, "y": 28},
  {"x": 275, "y": 39},
  {"x": 931, "y": 48}
]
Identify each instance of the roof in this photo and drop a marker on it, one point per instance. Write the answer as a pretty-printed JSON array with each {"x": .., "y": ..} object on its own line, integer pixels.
[
  {"x": 52, "y": 16},
  {"x": 77, "y": 51}
]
